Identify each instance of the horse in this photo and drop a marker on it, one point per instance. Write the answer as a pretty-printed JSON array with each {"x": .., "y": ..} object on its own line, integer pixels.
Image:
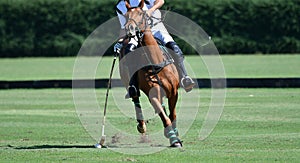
[{"x": 156, "y": 79}]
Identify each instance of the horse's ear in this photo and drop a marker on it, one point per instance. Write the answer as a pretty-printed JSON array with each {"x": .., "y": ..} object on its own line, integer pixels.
[
  {"x": 127, "y": 4},
  {"x": 141, "y": 5}
]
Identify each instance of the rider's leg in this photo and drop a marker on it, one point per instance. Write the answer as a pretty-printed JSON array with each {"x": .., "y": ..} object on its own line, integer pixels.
[
  {"x": 186, "y": 81},
  {"x": 162, "y": 34}
]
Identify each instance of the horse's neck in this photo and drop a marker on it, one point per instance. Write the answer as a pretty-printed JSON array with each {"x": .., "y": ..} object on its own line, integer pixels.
[{"x": 152, "y": 47}]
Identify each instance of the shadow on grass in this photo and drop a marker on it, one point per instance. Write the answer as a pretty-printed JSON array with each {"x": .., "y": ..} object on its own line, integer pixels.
[
  {"x": 74, "y": 147},
  {"x": 51, "y": 147}
]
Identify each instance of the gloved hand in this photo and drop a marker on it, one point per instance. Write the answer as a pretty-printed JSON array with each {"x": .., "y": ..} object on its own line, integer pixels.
[{"x": 118, "y": 46}]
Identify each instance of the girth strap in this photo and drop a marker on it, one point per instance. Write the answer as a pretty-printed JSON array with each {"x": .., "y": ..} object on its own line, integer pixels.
[{"x": 156, "y": 68}]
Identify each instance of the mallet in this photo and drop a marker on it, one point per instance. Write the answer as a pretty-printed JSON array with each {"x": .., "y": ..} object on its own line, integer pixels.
[{"x": 103, "y": 137}]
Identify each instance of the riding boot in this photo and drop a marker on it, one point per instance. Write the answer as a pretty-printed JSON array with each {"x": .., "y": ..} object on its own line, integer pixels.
[{"x": 186, "y": 82}]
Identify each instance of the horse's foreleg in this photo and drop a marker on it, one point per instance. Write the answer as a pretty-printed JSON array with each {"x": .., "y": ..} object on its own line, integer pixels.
[
  {"x": 171, "y": 132},
  {"x": 141, "y": 127},
  {"x": 156, "y": 101},
  {"x": 172, "y": 107}
]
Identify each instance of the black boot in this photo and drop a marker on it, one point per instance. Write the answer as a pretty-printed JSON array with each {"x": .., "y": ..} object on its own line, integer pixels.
[{"x": 186, "y": 82}]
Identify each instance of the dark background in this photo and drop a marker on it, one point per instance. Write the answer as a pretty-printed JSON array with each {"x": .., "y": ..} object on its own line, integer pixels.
[{"x": 59, "y": 27}]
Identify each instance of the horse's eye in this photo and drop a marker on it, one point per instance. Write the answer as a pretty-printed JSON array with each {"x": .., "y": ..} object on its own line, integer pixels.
[{"x": 126, "y": 16}]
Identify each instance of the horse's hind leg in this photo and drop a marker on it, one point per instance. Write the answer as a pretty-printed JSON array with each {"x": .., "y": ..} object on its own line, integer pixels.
[
  {"x": 156, "y": 99},
  {"x": 141, "y": 127}
]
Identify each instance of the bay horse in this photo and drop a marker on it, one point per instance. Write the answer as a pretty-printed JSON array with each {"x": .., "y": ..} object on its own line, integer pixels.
[{"x": 157, "y": 79}]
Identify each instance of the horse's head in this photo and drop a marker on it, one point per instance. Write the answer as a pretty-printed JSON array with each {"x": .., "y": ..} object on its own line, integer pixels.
[{"x": 136, "y": 19}]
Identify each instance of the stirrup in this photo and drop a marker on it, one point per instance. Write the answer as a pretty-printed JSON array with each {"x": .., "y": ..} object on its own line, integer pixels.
[{"x": 187, "y": 83}]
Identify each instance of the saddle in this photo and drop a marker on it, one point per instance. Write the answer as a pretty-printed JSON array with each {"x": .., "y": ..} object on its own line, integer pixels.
[
  {"x": 132, "y": 62},
  {"x": 168, "y": 59}
]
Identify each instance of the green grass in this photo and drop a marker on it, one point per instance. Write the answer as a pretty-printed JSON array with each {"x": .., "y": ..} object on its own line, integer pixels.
[
  {"x": 257, "y": 125},
  {"x": 244, "y": 66}
]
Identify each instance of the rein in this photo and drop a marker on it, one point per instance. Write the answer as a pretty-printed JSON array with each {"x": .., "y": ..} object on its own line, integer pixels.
[{"x": 152, "y": 24}]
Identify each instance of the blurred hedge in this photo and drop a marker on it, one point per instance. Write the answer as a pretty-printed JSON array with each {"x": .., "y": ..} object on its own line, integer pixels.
[
  {"x": 246, "y": 26},
  {"x": 59, "y": 27},
  {"x": 48, "y": 27}
]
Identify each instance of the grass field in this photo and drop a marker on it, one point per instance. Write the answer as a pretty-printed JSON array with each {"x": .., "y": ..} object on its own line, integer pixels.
[
  {"x": 257, "y": 125},
  {"x": 237, "y": 66}
]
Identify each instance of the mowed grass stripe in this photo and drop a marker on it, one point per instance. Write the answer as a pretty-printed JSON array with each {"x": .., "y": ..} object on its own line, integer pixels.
[
  {"x": 257, "y": 125},
  {"x": 236, "y": 66}
]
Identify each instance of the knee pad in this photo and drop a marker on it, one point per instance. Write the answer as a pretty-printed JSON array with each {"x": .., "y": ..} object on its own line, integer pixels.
[{"x": 176, "y": 49}]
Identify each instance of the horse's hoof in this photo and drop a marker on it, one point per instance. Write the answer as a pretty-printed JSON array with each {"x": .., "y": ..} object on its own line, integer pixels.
[
  {"x": 141, "y": 128},
  {"x": 176, "y": 145}
]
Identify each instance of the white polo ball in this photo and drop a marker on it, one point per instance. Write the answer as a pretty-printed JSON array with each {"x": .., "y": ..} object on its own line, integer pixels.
[{"x": 98, "y": 145}]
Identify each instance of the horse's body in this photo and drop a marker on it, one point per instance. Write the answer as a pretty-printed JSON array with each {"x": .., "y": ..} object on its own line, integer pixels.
[{"x": 156, "y": 79}]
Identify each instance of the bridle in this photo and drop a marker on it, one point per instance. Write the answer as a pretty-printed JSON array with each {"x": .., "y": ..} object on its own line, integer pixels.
[
  {"x": 139, "y": 32},
  {"x": 147, "y": 20}
]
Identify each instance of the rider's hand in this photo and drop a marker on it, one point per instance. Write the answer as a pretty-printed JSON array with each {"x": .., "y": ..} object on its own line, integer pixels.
[
  {"x": 149, "y": 12},
  {"x": 118, "y": 46}
]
